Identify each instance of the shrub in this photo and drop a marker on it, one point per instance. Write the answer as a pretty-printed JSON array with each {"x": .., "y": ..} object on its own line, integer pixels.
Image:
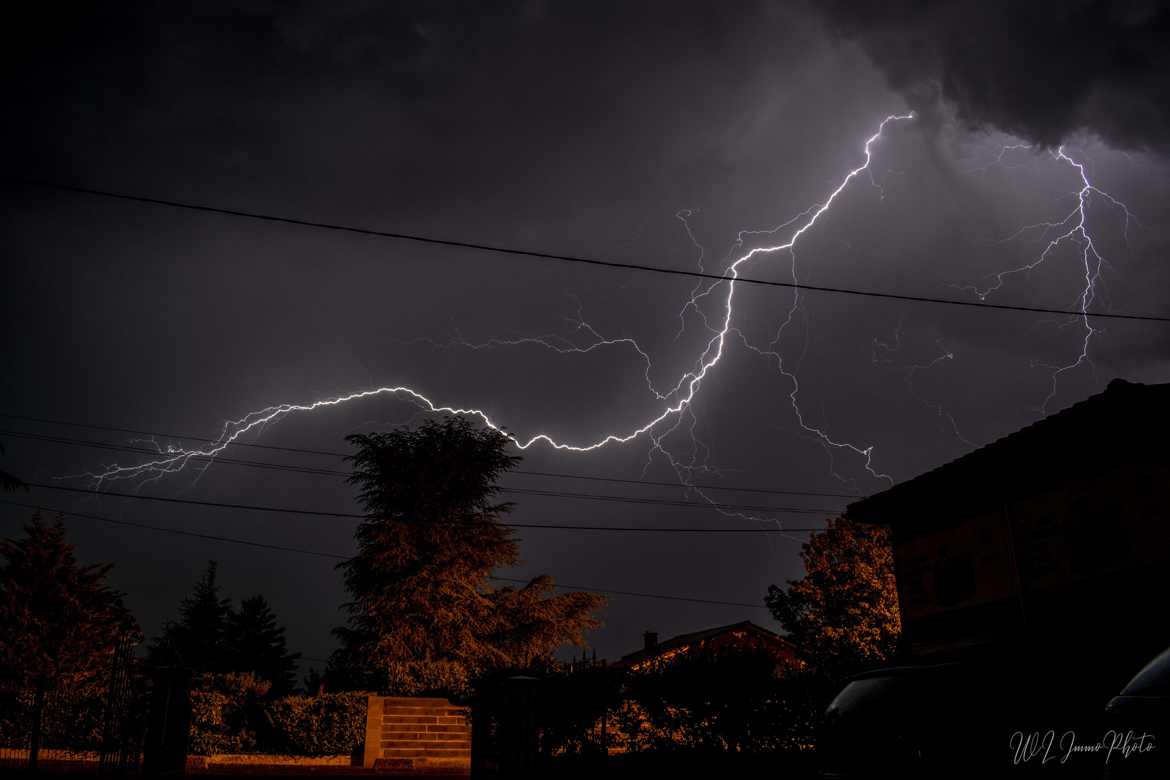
[
  {"x": 226, "y": 713},
  {"x": 328, "y": 724},
  {"x": 217, "y": 725},
  {"x": 731, "y": 701}
]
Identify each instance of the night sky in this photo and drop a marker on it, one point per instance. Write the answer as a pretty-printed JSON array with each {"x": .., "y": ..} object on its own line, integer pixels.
[{"x": 590, "y": 129}]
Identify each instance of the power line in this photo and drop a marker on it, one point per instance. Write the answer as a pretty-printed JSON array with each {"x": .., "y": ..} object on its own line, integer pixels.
[
  {"x": 176, "y": 531},
  {"x": 316, "y": 471},
  {"x": 534, "y": 254},
  {"x": 338, "y": 556},
  {"x": 332, "y": 453},
  {"x": 639, "y": 594},
  {"x": 359, "y": 516}
]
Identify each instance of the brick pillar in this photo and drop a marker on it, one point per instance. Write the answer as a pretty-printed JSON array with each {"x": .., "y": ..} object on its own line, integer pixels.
[{"x": 373, "y": 749}]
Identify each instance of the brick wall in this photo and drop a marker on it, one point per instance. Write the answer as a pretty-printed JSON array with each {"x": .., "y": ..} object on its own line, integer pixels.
[{"x": 417, "y": 733}]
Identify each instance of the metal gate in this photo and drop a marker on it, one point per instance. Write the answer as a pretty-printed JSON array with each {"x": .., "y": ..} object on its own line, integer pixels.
[
  {"x": 124, "y": 724},
  {"x": 90, "y": 724}
]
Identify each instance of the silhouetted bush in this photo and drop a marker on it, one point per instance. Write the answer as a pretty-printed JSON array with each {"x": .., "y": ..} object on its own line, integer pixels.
[
  {"x": 707, "y": 702},
  {"x": 328, "y": 724},
  {"x": 729, "y": 701},
  {"x": 230, "y": 713},
  {"x": 226, "y": 713},
  {"x": 573, "y": 707}
]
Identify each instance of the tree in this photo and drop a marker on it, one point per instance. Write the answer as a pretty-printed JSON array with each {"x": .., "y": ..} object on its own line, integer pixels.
[
  {"x": 844, "y": 612},
  {"x": 254, "y": 642},
  {"x": 314, "y": 682},
  {"x": 61, "y": 621},
  {"x": 197, "y": 639},
  {"x": 423, "y": 617},
  {"x": 722, "y": 699}
]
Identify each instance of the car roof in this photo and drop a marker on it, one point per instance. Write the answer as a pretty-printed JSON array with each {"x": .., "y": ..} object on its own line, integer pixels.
[
  {"x": 905, "y": 671},
  {"x": 1154, "y": 677}
]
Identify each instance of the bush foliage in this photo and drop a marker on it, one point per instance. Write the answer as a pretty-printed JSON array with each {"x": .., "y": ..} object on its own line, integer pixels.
[
  {"x": 730, "y": 701},
  {"x": 231, "y": 714},
  {"x": 226, "y": 713},
  {"x": 324, "y": 725}
]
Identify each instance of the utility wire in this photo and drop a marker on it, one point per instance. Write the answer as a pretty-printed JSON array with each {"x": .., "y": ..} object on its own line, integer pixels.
[
  {"x": 316, "y": 471},
  {"x": 176, "y": 531},
  {"x": 299, "y": 469},
  {"x": 641, "y": 595},
  {"x": 336, "y": 454},
  {"x": 338, "y": 556},
  {"x": 534, "y": 254},
  {"x": 359, "y": 516}
]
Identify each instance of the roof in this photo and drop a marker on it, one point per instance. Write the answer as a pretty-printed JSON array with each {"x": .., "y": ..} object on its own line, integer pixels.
[
  {"x": 1127, "y": 423},
  {"x": 685, "y": 640}
]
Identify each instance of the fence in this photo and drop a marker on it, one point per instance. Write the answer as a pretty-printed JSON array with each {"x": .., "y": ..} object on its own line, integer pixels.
[
  {"x": 94, "y": 723},
  {"x": 593, "y": 720}
]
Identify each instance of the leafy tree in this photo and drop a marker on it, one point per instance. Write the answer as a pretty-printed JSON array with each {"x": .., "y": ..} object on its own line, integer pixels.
[
  {"x": 844, "y": 612},
  {"x": 727, "y": 699},
  {"x": 254, "y": 642},
  {"x": 423, "y": 617},
  {"x": 61, "y": 620},
  {"x": 197, "y": 639}
]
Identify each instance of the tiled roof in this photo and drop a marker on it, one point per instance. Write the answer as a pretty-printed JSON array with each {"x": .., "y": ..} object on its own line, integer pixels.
[
  {"x": 684, "y": 640},
  {"x": 1127, "y": 423}
]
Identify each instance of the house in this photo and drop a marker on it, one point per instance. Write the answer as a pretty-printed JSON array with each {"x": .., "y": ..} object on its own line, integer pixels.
[
  {"x": 1053, "y": 540},
  {"x": 741, "y": 636}
]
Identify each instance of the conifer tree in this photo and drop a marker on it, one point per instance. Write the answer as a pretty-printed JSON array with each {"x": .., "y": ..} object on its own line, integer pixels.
[
  {"x": 61, "y": 620},
  {"x": 197, "y": 640},
  {"x": 423, "y": 616},
  {"x": 255, "y": 642}
]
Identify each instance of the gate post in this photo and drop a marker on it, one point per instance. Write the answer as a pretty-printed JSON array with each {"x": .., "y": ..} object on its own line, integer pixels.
[
  {"x": 169, "y": 722},
  {"x": 518, "y": 728},
  {"x": 34, "y": 744},
  {"x": 373, "y": 745}
]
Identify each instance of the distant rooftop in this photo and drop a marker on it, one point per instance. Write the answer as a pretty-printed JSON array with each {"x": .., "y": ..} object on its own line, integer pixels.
[
  {"x": 698, "y": 637},
  {"x": 1127, "y": 423}
]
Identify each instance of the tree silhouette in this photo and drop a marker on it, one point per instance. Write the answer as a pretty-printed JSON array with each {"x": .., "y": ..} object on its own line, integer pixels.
[
  {"x": 423, "y": 617},
  {"x": 844, "y": 612},
  {"x": 197, "y": 639},
  {"x": 61, "y": 620},
  {"x": 255, "y": 642},
  {"x": 211, "y": 637},
  {"x": 313, "y": 682}
]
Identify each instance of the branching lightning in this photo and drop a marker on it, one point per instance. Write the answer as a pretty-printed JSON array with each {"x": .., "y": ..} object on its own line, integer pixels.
[
  {"x": 1071, "y": 230},
  {"x": 884, "y": 353},
  {"x": 676, "y": 412}
]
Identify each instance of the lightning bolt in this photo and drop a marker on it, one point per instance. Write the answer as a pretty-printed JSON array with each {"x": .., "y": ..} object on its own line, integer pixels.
[
  {"x": 677, "y": 399},
  {"x": 883, "y": 354},
  {"x": 1071, "y": 230},
  {"x": 562, "y": 345}
]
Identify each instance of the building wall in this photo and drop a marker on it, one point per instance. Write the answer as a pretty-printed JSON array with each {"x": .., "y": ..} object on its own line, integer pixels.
[{"x": 1088, "y": 555}]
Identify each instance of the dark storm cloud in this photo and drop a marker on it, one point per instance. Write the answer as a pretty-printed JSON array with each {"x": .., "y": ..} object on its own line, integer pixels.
[
  {"x": 400, "y": 99},
  {"x": 1039, "y": 70}
]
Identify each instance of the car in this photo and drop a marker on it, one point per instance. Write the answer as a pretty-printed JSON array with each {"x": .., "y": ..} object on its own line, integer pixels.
[
  {"x": 1137, "y": 724},
  {"x": 997, "y": 716},
  {"x": 890, "y": 722}
]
